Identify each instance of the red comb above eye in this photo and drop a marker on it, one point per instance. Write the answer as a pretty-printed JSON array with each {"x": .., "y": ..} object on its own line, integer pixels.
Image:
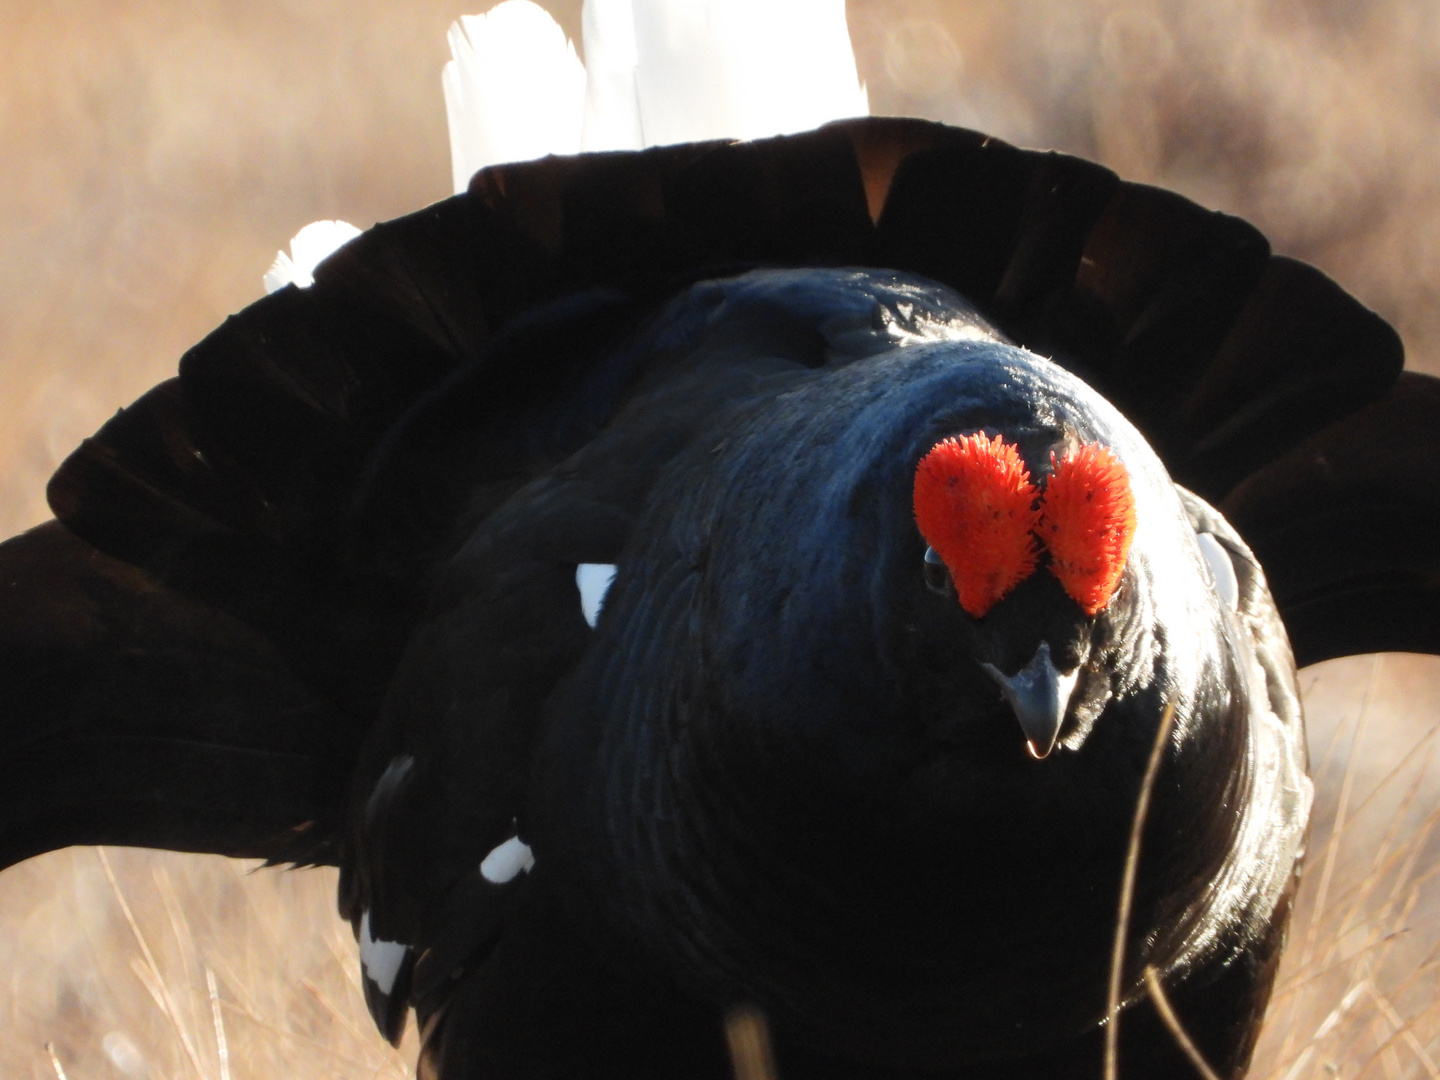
[
  {"x": 1089, "y": 522},
  {"x": 975, "y": 505}
]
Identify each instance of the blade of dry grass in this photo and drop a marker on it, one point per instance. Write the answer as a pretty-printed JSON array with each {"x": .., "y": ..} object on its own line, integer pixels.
[
  {"x": 164, "y": 999},
  {"x": 1177, "y": 1029},
  {"x": 1127, "y": 893},
  {"x": 221, "y": 1045},
  {"x": 55, "y": 1062},
  {"x": 747, "y": 1034}
]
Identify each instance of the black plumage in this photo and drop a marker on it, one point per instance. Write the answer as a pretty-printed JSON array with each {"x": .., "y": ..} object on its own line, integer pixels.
[{"x": 774, "y": 771}]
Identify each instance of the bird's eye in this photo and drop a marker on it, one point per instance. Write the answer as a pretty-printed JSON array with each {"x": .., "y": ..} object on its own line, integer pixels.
[{"x": 937, "y": 578}]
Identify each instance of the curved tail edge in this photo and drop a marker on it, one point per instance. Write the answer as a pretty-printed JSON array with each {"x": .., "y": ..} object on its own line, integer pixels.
[
  {"x": 1347, "y": 527},
  {"x": 131, "y": 714}
]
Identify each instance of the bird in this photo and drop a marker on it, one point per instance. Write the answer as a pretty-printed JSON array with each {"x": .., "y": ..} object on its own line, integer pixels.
[
  {"x": 780, "y": 697},
  {"x": 747, "y": 574}
]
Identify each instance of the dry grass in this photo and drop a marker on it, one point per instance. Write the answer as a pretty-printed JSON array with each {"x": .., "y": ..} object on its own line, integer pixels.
[
  {"x": 158, "y": 154},
  {"x": 136, "y": 964},
  {"x": 1359, "y": 990}
]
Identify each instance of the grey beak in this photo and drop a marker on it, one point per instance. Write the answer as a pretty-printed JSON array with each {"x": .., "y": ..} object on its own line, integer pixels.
[{"x": 1039, "y": 695}]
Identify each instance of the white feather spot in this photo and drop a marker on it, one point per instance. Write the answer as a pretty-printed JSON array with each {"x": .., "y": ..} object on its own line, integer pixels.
[
  {"x": 507, "y": 861},
  {"x": 311, "y": 246},
  {"x": 380, "y": 960},
  {"x": 1222, "y": 569},
  {"x": 593, "y": 579}
]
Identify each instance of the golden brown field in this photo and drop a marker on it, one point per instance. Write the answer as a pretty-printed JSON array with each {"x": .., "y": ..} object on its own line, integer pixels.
[{"x": 157, "y": 154}]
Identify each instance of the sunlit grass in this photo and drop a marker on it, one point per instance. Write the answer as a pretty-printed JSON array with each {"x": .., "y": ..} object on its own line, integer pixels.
[
  {"x": 135, "y": 964},
  {"x": 1359, "y": 990}
]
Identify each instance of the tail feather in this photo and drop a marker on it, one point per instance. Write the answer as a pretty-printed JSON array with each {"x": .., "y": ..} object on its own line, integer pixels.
[
  {"x": 1345, "y": 526},
  {"x": 514, "y": 90},
  {"x": 274, "y": 484},
  {"x": 133, "y": 714},
  {"x": 1226, "y": 356}
]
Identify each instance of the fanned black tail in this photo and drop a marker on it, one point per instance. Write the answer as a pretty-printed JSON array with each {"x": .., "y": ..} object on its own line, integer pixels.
[{"x": 192, "y": 660}]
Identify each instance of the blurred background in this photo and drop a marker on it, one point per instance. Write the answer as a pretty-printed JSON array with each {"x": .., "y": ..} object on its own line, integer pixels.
[{"x": 157, "y": 154}]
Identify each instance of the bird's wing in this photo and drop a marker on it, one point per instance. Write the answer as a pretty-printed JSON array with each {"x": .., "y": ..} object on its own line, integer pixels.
[
  {"x": 271, "y": 483},
  {"x": 436, "y": 845}
]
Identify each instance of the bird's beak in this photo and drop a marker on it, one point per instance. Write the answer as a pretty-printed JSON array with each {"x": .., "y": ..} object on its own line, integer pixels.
[{"x": 1039, "y": 694}]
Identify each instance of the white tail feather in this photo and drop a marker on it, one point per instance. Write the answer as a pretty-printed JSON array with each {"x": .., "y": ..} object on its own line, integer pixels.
[
  {"x": 308, "y": 249},
  {"x": 743, "y": 69},
  {"x": 515, "y": 89},
  {"x": 658, "y": 71},
  {"x": 612, "y": 109}
]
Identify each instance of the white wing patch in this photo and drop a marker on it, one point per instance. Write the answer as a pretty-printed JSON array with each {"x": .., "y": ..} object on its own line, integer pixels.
[
  {"x": 380, "y": 960},
  {"x": 507, "y": 861},
  {"x": 593, "y": 579},
  {"x": 1222, "y": 569}
]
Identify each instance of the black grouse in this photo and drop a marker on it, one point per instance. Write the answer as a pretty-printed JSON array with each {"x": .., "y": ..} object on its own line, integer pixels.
[{"x": 747, "y": 575}]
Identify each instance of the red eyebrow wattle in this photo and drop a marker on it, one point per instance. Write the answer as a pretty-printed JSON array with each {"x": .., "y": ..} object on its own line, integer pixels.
[
  {"x": 1088, "y": 523},
  {"x": 975, "y": 505}
]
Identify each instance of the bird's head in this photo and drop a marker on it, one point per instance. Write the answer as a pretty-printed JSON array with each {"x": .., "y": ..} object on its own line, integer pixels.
[
  {"x": 991, "y": 529},
  {"x": 908, "y": 555}
]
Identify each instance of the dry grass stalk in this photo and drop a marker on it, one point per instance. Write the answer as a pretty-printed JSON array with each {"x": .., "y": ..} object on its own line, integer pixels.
[
  {"x": 748, "y": 1036},
  {"x": 1156, "y": 989},
  {"x": 1127, "y": 893},
  {"x": 222, "y": 1046},
  {"x": 55, "y": 1062}
]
